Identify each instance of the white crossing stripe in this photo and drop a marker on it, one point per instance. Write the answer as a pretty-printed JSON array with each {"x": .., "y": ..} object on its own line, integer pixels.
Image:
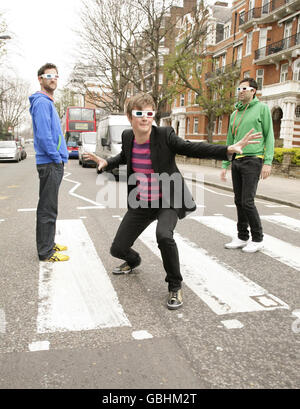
[
  {"x": 278, "y": 249},
  {"x": 2, "y": 322},
  {"x": 77, "y": 294},
  {"x": 285, "y": 221},
  {"x": 221, "y": 287}
]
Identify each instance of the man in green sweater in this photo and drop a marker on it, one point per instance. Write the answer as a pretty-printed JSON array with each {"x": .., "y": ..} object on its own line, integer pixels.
[{"x": 247, "y": 168}]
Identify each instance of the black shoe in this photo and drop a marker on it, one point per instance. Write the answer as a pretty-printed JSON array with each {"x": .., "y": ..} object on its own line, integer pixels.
[
  {"x": 125, "y": 268},
  {"x": 175, "y": 300}
]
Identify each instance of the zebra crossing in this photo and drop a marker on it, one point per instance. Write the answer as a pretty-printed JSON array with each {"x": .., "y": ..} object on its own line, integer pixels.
[{"x": 79, "y": 295}]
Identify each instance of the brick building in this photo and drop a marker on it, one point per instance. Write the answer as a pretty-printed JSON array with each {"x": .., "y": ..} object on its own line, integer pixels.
[{"x": 261, "y": 38}]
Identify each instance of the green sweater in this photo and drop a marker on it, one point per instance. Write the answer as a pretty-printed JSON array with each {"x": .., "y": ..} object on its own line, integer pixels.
[{"x": 258, "y": 117}]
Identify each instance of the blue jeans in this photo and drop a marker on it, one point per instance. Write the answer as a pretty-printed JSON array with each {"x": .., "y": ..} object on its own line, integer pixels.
[
  {"x": 50, "y": 175},
  {"x": 245, "y": 176},
  {"x": 134, "y": 223}
]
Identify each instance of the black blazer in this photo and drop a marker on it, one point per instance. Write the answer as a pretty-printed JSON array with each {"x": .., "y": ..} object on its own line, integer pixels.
[{"x": 164, "y": 145}]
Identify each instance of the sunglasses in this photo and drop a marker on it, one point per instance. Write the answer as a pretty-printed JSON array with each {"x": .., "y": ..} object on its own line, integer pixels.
[
  {"x": 141, "y": 114},
  {"x": 245, "y": 89},
  {"x": 50, "y": 76}
]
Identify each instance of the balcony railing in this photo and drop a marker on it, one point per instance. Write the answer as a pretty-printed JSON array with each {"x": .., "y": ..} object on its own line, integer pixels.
[
  {"x": 263, "y": 11},
  {"x": 281, "y": 45},
  {"x": 222, "y": 70}
]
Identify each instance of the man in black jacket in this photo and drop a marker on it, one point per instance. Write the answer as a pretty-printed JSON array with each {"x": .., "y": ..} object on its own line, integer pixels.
[{"x": 156, "y": 188}]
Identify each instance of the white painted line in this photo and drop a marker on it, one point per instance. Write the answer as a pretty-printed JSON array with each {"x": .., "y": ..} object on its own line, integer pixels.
[
  {"x": 39, "y": 346},
  {"x": 2, "y": 220},
  {"x": 90, "y": 207},
  {"x": 2, "y": 322},
  {"x": 296, "y": 313},
  {"x": 77, "y": 294},
  {"x": 230, "y": 206},
  {"x": 82, "y": 217},
  {"x": 278, "y": 249},
  {"x": 274, "y": 206},
  {"x": 27, "y": 210},
  {"x": 221, "y": 287},
  {"x": 232, "y": 324},
  {"x": 285, "y": 221},
  {"x": 141, "y": 335},
  {"x": 77, "y": 184}
]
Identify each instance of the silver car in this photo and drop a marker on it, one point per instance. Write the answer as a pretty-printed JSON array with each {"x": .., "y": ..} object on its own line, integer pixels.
[{"x": 9, "y": 151}]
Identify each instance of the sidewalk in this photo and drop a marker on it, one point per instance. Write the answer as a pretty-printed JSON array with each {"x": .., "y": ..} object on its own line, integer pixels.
[{"x": 276, "y": 189}]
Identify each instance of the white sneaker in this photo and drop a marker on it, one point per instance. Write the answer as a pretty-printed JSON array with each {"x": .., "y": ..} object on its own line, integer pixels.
[
  {"x": 253, "y": 247},
  {"x": 236, "y": 243}
]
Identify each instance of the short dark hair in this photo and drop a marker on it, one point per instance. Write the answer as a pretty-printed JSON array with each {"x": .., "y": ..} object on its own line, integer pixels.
[
  {"x": 45, "y": 67},
  {"x": 139, "y": 101},
  {"x": 252, "y": 83}
]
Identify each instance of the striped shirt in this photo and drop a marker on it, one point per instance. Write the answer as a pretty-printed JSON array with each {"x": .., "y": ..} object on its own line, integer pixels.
[{"x": 148, "y": 187}]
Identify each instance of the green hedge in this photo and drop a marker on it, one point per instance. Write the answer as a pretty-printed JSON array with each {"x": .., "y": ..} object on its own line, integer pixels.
[{"x": 278, "y": 155}]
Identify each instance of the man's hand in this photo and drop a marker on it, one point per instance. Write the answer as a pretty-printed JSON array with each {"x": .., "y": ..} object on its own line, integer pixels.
[
  {"x": 223, "y": 175},
  {"x": 247, "y": 139},
  {"x": 266, "y": 171},
  {"x": 101, "y": 163}
]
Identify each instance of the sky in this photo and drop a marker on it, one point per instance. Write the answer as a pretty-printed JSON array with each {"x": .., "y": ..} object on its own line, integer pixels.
[{"x": 41, "y": 31}]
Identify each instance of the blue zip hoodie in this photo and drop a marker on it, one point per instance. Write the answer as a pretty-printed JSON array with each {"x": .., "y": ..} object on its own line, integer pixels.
[{"x": 46, "y": 130}]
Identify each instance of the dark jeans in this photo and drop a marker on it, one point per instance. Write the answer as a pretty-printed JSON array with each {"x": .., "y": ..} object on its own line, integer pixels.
[
  {"x": 245, "y": 176},
  {"x": 133, "y": 224},
  {"x": 50, "y": 175}
]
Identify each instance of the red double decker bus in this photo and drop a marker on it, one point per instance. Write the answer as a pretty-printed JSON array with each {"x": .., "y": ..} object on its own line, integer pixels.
[{"x": 75, "y": 121}]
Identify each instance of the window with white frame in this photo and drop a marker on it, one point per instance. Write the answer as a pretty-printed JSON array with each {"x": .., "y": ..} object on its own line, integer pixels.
[
  {"x": 296, "y": 70},
  {"x": 161, "y": 79},
  {"x": 226, "y": 31},
  {"x": 239, "y": 51},
  {"x": 187, "y": 125},
  {"x": 196, "y": 125},
  {"x": 284, "y": 72},
  {"x": 249, "y": 43},
  {"x": 182, "y": 100},
  {"x": 190, "y": 98},
  {"x": 220, "y": 125},
  {"x": 297, "y": 111},
  {"x": 260, "y": 78},
  {"x": 246, "y": 74}
]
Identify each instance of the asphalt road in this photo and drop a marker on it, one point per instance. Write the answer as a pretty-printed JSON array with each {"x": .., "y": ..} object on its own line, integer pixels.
[{"x": 60, "y": 327}]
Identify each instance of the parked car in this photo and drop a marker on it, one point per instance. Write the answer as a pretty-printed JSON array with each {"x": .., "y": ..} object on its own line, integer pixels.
[
  {"x": 87, "y": 143},
  {"x": 9, "y": 151},
  {"x": 22, "y": 150}
]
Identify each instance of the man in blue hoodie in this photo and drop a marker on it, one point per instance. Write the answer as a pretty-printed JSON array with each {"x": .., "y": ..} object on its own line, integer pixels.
[{"x": 51, "y": 154}]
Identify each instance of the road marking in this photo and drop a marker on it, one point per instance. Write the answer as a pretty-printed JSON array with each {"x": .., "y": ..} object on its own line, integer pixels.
[
  {"x": 278, "y": 249},
  {"x": 285, "y": 221},
  {"x": 141, "y": 335},
  {"x": 2, "y": 220},
  {"x": 232, "y": 324},
  {"x": 39, "y": 346},
  {"x": 77, "y": 295},
  {"x": 273, "y": 206},
  {"x": 221, "y": 287},
  {"x": 90, "y": 208},
  {"x": 2, "y": 322},
  {"x": 77, "y": 184},
  {"x": 27, "y": 210}
]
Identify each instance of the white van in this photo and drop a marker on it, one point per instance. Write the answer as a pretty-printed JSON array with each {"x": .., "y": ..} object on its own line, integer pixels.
[
  {"x": 87, "y": 143},
  {"x": 109, "y": 134}
]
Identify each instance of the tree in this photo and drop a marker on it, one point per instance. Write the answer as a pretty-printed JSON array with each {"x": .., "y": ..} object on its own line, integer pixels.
[
  {"x": 13, "y": 102},
  {"x": 124, "y": 45},
  {"x": 189, "y": 68}
]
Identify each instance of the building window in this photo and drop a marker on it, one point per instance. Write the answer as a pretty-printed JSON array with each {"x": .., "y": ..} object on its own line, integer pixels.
[
  {"x": 190, "y": 98},
  {"x": 196, "y": 125},
  {"x": 260, "y": 78},
  {"x": 226, "y": 31},
  {"x": 220, "y": 126},
  {"x": 284, "y": 72},
  {"x": 297, "y": 111},
  {"x": 249, "y": 43},
  {"x": 187, "y": 125},
  {"x": 239, "y": 53},
  {"x": 296, "y": 70},
  {"x": 182, "y": 100},
  {"x": 246, "y": 74}
]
